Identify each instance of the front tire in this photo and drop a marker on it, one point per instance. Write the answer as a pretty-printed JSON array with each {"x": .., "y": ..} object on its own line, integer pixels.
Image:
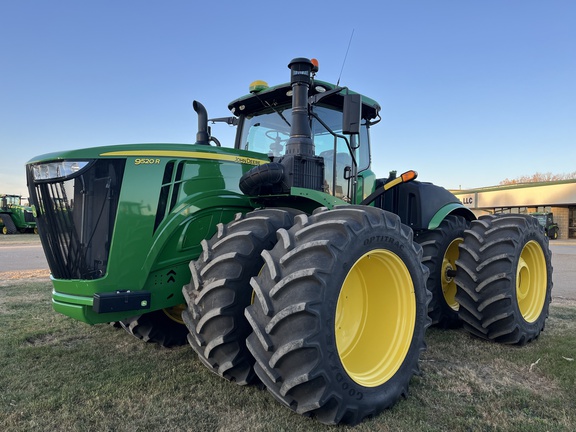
[
  {"x": 163, "y": 327},
  {"x": 220, "y": 290},
  {"x": 340, "y": 313},
  {"x": 504, "y": 278}
]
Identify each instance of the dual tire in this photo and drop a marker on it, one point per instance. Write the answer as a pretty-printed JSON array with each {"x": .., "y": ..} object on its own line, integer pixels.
[
  {"x": 329, "y": 311},
  {"x": 504, "y": 278},
  {"x": 493, "y": 276}
]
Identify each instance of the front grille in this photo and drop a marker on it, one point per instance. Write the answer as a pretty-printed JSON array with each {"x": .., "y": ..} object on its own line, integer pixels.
[
  {"x": 28, "y": 216},
  {"x": 75, "y": 216}
]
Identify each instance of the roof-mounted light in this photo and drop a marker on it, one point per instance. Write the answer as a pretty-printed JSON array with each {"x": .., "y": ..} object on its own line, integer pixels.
[
  {"x": 315, "y": 65},
  {"x": 55, "y": 170}
]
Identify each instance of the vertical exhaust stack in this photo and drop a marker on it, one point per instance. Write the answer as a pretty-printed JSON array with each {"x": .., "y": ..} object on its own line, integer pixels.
[{"x": 203, "y": 134}]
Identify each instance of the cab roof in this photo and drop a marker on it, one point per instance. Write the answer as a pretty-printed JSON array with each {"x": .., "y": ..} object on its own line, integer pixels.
[{"x": 281, "y": 95}]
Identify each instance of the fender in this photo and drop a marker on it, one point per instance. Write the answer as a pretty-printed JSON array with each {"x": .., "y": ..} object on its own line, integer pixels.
[
  {"x": 422, "y": 205},
  {"x": 456, "y": 209}
]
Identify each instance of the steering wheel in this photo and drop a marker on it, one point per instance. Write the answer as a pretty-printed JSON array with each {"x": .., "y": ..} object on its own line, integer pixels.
[{"x": 276, "y": 136}]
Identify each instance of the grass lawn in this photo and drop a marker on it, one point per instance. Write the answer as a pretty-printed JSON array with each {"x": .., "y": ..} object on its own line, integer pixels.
[{"x": 58, "y": 374}]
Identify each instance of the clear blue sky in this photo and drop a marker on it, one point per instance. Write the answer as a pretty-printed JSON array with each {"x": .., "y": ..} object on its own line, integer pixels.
[{"x": 472, "y": 91}]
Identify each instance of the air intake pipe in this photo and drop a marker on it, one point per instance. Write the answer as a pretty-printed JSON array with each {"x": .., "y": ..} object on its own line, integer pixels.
[{"x": 300, "y": 142}]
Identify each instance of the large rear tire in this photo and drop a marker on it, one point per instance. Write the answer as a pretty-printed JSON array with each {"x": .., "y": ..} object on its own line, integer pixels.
[
  {"x": 340, "y": 313},
  {"x": 504, "y": 278},
  {"x": 220, "y": 290},
  {"x": 440, "y": 252},
  {"x": 163, "y": 327},
  {"x": 554, "y": 234}
]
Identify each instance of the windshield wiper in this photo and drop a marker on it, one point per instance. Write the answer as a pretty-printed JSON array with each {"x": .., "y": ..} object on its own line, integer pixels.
[{"x": 269, "y": 105}]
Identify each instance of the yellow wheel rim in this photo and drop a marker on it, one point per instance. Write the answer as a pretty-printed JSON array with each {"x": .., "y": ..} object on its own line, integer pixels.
[
  {"x": 175, "y": 313},
  {"x": 449, "y": 265},
  {"x": 375, "y": 318},
  {"x": 531, "y": 281}
]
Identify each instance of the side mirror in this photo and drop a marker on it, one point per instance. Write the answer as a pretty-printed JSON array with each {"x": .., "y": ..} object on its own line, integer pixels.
[{"x": 352, "y": 115}]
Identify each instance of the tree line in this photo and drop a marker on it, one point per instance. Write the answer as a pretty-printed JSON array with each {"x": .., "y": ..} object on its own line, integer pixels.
[{"x": 539, "y": 177}]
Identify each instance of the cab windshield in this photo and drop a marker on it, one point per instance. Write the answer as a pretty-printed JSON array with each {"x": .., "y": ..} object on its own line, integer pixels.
[
  {"x": 268, "y": 133},
  {"x": 542, "y": 219}
]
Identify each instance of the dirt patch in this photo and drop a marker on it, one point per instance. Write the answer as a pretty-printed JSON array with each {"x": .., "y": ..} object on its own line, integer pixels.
[
  {"x": 10, "y": 277},
  {"x": 19, "y": 240}
]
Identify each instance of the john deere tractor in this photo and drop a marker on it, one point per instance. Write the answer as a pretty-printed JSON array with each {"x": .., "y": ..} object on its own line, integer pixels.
[
  {"x": 15, "y": 217},
  {"x": 546, "y": 221},
  {"x": 284, "y": 258}
]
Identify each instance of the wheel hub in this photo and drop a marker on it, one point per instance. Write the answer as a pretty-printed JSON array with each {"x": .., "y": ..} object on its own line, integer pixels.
[{"x": 449, "y": 272}]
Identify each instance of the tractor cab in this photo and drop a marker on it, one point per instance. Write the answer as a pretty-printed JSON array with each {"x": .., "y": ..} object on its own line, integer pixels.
[
  {"x": 546, "y": 221},
  {"x": 7, "y": 201},
  {"x": 265, "y": 125}
]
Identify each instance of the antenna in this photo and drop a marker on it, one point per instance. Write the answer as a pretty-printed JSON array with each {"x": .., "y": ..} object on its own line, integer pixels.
[{"x": 345, "y": 57}]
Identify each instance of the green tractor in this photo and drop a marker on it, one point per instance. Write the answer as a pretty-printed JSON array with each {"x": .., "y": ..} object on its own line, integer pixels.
[
  {"x": 15, "y": 217},
  {"x": 284, "y": 258},
  {"x": 546, "y": 221}
]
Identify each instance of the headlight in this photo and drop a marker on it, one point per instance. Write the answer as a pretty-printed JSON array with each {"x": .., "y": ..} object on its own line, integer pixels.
[{"x": 53, "y": 170}]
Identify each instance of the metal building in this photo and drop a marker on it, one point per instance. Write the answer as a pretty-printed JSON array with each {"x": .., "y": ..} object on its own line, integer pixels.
[{"x": 558, "y": 197}]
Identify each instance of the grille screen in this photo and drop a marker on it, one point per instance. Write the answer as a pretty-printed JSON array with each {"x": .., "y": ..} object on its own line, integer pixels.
[{"x": 76, "y": 218}]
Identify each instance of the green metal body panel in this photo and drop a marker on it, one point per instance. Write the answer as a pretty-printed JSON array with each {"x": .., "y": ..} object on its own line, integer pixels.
[
  {"x": 143, "y": 257},
  {"x": 157, "y": 260},
  {"x": 452, "y": 208},
  {"x": 366, "y": 185}
]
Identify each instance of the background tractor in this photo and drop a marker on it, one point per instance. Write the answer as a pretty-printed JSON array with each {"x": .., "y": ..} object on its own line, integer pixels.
[
  {"x": 546, "y": 220},
  {"x": 15, "y": 217},
  {"x": 285, "y": 259}
]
